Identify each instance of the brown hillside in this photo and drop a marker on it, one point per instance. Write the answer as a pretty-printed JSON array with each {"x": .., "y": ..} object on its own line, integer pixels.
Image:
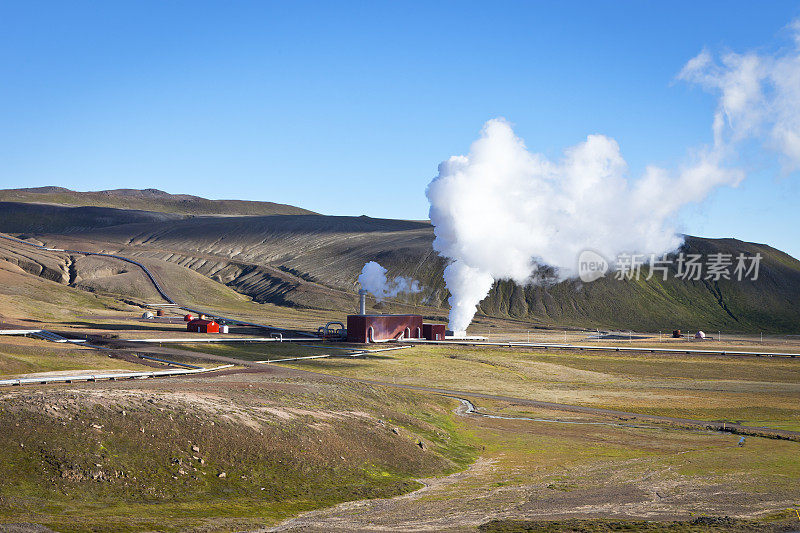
[{"x": 312, "y": 261}]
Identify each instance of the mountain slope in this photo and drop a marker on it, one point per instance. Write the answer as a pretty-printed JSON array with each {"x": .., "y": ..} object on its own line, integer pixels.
[
  {"x": 312, "y": 261},
  {"x": 771, "y": 303},
  {"x": 147, "y": 200}
]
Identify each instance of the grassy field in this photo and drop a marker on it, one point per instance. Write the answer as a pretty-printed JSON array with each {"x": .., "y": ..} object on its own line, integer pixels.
[
  {"x": 746, "y": 390},
  {"x": 611, "y": 478},
  {"x": 120, "y": 457},
  {"x": 19, "y": 355},
  {"x": 268, "y": 351},
  {"x": 565, "y": 465}
]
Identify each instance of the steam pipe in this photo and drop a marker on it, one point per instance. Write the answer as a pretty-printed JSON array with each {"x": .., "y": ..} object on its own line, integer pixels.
[
  {"x": 371, "y": 337},
  {"x": 362, "y": 302},
  {"x": 328, "y": 331}
]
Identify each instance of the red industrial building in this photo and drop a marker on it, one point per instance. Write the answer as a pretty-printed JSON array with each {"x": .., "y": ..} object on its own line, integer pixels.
[
  {"x": 379, "y": 328},
  {"x": 433, "y": 332},
  {"x": 202, "y": 326}
]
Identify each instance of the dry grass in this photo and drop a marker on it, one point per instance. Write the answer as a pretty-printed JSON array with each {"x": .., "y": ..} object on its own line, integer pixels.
[
  {"x": 19, "y": 355},
  {"x": 558, "y": 472},
  {"x": 746, "y": 390}
]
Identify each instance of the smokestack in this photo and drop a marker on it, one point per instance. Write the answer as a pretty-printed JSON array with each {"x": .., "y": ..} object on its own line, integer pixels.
[{"x": 362, "y": 302}]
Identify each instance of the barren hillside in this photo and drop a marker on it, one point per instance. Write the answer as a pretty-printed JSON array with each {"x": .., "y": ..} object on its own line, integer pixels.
[
  {"x": 147, "y": 200},
  {"x": 312, "y": 261}
]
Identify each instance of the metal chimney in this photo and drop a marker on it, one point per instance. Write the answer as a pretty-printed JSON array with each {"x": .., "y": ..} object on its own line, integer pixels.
[{"x": 362, "y": 302}]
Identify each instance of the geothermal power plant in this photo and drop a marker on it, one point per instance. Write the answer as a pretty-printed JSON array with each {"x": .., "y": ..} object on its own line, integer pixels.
[{"x": 364, "y": 328}]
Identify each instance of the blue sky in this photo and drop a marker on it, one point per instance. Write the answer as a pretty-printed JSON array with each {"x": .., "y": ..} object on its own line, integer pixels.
[{"x": 348, "y": 107}]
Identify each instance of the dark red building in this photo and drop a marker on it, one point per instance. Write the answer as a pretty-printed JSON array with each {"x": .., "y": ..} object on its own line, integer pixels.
[
  {"x": 376, "y": 328},
  {"x": 202, "y": 326},
  {"x": 433, "y": 332}
]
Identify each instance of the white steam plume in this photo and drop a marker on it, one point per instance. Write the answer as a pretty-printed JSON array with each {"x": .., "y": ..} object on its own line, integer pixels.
[
  {"x": 373, "y": 279},
  {"x": 501, "y": 210}
]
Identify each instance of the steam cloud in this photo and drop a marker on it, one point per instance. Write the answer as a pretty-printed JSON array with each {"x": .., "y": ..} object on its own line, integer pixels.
[
  {"x": 759, "y": 96},
  {"x": 501, "y": 210},
  {"x": 373, "y": 279}
]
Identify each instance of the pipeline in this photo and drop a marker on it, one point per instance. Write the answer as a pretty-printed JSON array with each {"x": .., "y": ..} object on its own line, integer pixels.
[
  {"x": 46, "y": 380},
  {"x": 602, "y": 348}
]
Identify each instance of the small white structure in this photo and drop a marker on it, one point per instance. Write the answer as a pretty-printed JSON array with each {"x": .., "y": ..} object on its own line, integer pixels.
[
  {"x": 223, "y": 328},
  {"x": 700, "y": 335},
  {"x": 147, "y": 315}
]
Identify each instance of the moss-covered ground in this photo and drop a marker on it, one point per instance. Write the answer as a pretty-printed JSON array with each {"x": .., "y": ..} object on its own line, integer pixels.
[{"x": 177, "y": 456}]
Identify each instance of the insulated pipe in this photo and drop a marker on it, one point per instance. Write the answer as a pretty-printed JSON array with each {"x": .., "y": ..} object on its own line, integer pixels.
[
  {"x": 362, "y": 302},
  {"x": 371, "y": 336},
  {"x": 328, "y": 327}
]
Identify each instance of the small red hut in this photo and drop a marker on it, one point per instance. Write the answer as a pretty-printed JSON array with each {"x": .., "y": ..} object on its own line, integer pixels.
[{"x": 202, "y": 326}]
